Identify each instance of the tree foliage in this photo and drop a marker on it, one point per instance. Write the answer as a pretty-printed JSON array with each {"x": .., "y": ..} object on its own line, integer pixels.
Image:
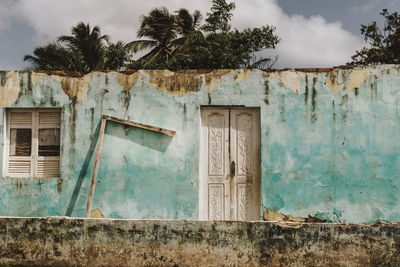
[
  {"x": 166, "y": 40},
  {"x": 187, "y": 45},
  {"x": 383, "y": 43},
  {"x": 86, "y": 49}
]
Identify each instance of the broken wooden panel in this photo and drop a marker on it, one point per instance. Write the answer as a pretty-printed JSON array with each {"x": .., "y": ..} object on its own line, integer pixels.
[
  {"x": 141, "y": 125},
  {"x": 49, "y": 142},
  {"x": 20, "y": 142}
]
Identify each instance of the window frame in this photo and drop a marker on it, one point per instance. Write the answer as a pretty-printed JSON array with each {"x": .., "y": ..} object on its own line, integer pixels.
[{"x": 34, "y": 158}]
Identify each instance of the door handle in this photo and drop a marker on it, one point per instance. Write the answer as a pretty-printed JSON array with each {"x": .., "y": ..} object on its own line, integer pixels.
[{"x": 233, "y": 168}]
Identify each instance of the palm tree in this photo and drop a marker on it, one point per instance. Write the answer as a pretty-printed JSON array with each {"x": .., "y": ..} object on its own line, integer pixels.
[
  {"x": 84, "y": 50},
  {"x": 53, "y": 56},
  {"x": 88, "y": 44},
  {"x": 159, "y": 29},
  {"x": 187, "y": 25},
  {"x": 166, "y": 35},
  {"x": 116, "y": 56}
]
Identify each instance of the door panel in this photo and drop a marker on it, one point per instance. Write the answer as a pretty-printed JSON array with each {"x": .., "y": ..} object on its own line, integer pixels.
[
  {"x": 243, "y": 144},
  {"x": 230, "y": 136},
  {"x": 216, "y": 150}
]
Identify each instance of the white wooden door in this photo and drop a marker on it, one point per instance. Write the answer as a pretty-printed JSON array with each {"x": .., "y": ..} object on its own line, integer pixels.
[{"x": 230, "y": 164}]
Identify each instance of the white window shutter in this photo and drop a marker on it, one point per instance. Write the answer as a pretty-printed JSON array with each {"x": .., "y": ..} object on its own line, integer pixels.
[
  {"x": 20, "y": 119},
  {"x": 19, "y": 167},
  {"x": 44, "y": 125},
  {"x": 48, "y": 167},
  {"x": 49, "y": 119}
]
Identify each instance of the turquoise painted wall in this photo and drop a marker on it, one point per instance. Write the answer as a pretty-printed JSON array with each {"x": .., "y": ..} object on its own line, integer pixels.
[{"x": 330, "y": 141}]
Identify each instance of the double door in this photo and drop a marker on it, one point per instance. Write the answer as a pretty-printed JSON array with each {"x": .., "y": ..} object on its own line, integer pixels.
[{"x": 230, "y": 163}]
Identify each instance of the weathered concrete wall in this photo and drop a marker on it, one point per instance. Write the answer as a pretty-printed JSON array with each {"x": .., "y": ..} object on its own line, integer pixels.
[
  {"x": 104, "y": 242},
  {"x": 330, "y": 141}
]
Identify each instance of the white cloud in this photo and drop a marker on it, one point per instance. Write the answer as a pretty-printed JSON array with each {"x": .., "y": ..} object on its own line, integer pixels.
[
  {"x": 372, "y": 6},
  {"x": 7, "y": 11},
  {"x": 306, "y": 42}
]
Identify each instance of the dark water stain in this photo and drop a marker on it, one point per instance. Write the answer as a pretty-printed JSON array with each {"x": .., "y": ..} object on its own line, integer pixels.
[
  {"x": 184, "y": 116},
  {"x": 356, "y": 91},
  {"x": 266, "y": 84},
  {"x": 91, "y": 123},
  {"x": 3, "y": 78},
  {"x": 73, "y": 117},
  {"x": 343, "y": 105},
  {"x": 106, "y": 80},
  {"x": 333, "y": 111},
  {"x": 21, "y": 82},
  {"x": 30, "y": 81},
  {"x": 209, "y": 98},
  {"x": 40, "y": 182},
  {"x": 306, "y": 91},
  {"x": 126, "y": 129},
  {"x": 314, "y": 116},
  {"x": 105, "y": 91},
  {"x": 374, "y": 88},
  {"x": 283, "y": 108},
  {"x": 127, "y": 99},
  {"x": 59, "y": 185}
]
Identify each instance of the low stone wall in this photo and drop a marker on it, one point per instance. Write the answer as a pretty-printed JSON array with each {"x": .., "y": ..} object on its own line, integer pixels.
[{"x": 59, "y": 241}]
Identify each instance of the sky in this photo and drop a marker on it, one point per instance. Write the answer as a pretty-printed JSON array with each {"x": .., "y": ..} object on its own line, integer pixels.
[{"x": 314, "y": 33}]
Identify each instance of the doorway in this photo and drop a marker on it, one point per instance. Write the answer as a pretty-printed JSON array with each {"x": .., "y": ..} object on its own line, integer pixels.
[{"x": 230, "y": 164}]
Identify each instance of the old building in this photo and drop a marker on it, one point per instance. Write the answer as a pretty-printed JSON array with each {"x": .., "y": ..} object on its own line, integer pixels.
[{"x": 312, "y": 142}]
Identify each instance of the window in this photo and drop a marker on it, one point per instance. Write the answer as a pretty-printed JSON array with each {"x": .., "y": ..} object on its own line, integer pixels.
[{"x": 33, "y": 143}]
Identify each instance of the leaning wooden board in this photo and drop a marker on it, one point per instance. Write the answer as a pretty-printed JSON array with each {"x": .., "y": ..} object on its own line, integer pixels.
[{"x": 100, "y": 144}]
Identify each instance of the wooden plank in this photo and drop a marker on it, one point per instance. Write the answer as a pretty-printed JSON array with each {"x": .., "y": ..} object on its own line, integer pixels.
[
  {"x": 96, "y": 165},
  {"x": 140, "y": 125}
]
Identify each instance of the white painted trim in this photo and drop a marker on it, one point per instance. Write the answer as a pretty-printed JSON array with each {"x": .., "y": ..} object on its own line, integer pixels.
[
  {"x": 256, "y": 161},
  {"x": 34, "y": 143}
]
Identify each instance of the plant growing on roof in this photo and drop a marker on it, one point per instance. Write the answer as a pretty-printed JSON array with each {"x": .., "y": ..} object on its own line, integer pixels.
[{"x": 383, "y": 43}]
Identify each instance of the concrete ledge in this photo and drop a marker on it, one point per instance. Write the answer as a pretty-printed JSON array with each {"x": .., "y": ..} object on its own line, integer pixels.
[{"x": 60, "y": 241}]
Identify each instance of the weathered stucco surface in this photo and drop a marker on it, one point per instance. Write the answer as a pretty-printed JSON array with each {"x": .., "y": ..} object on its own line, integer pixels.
[
  {"x": 104, "y": 242},
  {"x": 330, "y": 141}
]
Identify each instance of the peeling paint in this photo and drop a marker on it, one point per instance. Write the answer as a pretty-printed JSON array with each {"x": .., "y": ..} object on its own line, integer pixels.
[
  {"x": 213, "y": 79},
  {"x": 127, "y": 81},
  {"x": 358, "y": 78},
  {"x": 291, "y": 79},
  {"x": 174, "y": 82},
  {"x": 76, "y": 87},
  {"x": 10, "y": 90},
  {"x": 333, "y": 82},
  {"x": 37, "y": 77},
  {"x": 242, "y": 76},
  {"x": 307, "y": 141},
  {"x": 96, "y": 214}
]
